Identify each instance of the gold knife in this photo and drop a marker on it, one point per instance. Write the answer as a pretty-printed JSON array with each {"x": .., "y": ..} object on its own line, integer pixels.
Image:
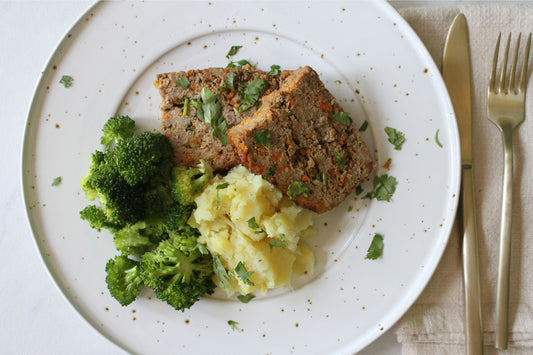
[{"x": 456, "y": 73}]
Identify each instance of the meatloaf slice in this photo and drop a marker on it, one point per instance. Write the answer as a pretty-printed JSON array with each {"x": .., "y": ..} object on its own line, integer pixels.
[
  {"x": 296, "y": 141},
  {"x": 191, "y": 138}
]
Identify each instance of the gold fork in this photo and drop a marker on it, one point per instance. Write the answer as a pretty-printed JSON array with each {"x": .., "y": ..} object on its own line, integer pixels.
[{"x": 506, "y": 109}]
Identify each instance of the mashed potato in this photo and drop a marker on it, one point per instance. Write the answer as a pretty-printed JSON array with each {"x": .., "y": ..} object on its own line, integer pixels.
[{"x": 243, "y": 218}]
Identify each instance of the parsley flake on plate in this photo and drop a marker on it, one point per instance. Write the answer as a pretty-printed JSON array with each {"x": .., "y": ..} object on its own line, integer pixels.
[
  {"x": 384, "y": 187},
  {"x": 246, "y": 298},
  {"x": 66, "y": 80},
  {"x": 437, "y": 138},
  {"x": 396, "y": 137},
  {"x": 274, "y": 70},
  {"x": 233, "y": 324},
  {"x": 375, "y": 250},
  {"x": 232, "y": 51},
  {"x": 56, "y": 181}
]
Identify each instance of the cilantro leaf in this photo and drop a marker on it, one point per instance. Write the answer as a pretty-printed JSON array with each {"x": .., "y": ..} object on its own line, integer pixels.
[
  {"x": 280, "y": 243},
  {"x": 56, "y": 181},
  {"x": 220, "y": 187},
  {"x": 396, "y": 137},
  {"x": 183, "y": 82},
  {"x": 262, "y": 137},
  {"x": 437, "y": 138},
  {"x": 233, "y": 324},
  {"x": 209, "y": 110},
  {"x": 343, "y": 117},
  {"x": 376, "y": 248},
  {"x": 239, "y": 64},
  {"x": 364, "y": 126},
  {"x": 297, "y": 188},
  {"x": 384, "y": 187},
  {"x": 229, "y": 84},
  {"x": 274, "y": 70},
  {"x": 244, "y": 274},
  {"x": 270, "y": 172},
  {"x": 252, "y": 92},
  {"x": 221, "y": 272},
  {"x": 66, "y": 80},
  {"x": 252, "y": 223},
  {"x": 246, "y": 298},
  {"x": 340, "y": 159},
  {"x": 232, "y": 51}
]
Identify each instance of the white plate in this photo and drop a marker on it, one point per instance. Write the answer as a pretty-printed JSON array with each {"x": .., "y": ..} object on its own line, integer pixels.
[{"x": 369, "y": 59}]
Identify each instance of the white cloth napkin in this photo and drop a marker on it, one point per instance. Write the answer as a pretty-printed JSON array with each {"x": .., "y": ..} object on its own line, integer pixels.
[{"x": 434, "y": 325}]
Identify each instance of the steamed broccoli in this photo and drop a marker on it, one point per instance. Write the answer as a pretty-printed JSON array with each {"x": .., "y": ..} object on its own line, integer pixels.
[
  {"x": 123, "y": 279},
  {"x": 178, "y": 274},
  {"x": 188, "y": 182},
  {"x": 146, "y": 204},
  {"x": 117, "y": 128},
  {"x": 142, "y": 156},
  {"x": 121, "y": 202}
]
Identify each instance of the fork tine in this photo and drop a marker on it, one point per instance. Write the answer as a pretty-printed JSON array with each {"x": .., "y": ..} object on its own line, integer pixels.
[
  {"x": 523, "y": 74},
  {"x": 511, "y": 86},
  {"x": 492, "y": 84},
  {"x": 502, "y": 85}
]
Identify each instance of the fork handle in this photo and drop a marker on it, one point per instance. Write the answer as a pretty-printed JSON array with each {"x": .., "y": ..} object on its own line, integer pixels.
[{"x": 502, "y": 291}]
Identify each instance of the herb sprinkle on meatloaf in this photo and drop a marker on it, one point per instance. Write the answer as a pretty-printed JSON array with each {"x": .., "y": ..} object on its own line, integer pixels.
[
  {"x": 301, "y": 140},
  {"x": 235, "y": 95}
]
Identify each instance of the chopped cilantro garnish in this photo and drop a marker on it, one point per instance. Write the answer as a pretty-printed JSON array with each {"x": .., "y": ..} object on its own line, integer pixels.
[
  {"x": 321, "y": 176},
  {"x": 364, "y": 126},
  {"x": 280, "y": 243},
  {"x": 359, "y": 190},
  {"x": 340, "y": 159},
  {"x": 343, "y": 117},
  {"x": 233, "y": 324},
  {"x": 246, "y": 298},
  {"x": 209, "y": 110},
  {"x": 221, "y": 272},
  {"x": 396, "y": 137},
  {"x": 384, "y": 187},
  {"x": 297, "y": 188},
  {"x": 232, "y": 51},
  {"x": 252, "y": 92},
  {"x": 437, "y": 138},
  {"x": 239, "y": 64},
  {"x": 244, "y": 274},
  {"x": 56, "y": 181},
  {"x": 220, "y": 187},
  {"x": 183, "y": 82},
  {"x": 270, "y": 172},
  {"x": 376, "y": 248},
  {"x": 252, "y": 223},
  {"x": 262, "y": 137},
  {"x": 230, "y": 82},
  {"x": 66, "y": 80},
  {"x": 274, "y": 70},
  {"x": 185, "y": 107}
]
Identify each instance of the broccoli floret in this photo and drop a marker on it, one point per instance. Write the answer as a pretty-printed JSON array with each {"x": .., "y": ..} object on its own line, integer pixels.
[
  {"x": 178, "y": 275},
  {"x": 121, "y": 202},
  {"x": 97, "y": 218},
  {"x": 123, "y": 279},
  {"x": 157, "y": 200},
  {"x": 188, "y": 182},
  {"x": 142, "y": 157},
  {"x": 130, "y": 240},
  {"x": 116, "y": 129}
]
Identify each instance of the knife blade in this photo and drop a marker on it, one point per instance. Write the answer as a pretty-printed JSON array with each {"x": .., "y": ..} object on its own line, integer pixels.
[{"x": 456, "y": 74}]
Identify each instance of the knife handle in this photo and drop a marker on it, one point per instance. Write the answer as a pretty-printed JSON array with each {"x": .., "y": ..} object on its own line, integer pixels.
[{"x": 473, "y": 323}]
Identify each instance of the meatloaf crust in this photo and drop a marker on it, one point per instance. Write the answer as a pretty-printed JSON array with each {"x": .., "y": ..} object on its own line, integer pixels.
[
  {"x": 190, "y": 137},
  {"x": 295, "y": 142}
]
